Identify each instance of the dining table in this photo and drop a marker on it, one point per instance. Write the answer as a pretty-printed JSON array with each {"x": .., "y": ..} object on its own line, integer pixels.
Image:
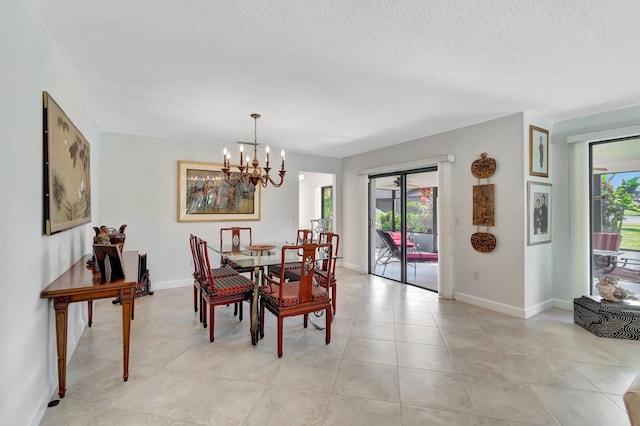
[{"x": 259, "y": 256}]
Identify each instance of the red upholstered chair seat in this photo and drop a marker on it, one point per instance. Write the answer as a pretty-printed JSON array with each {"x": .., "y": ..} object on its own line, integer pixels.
[
  {"x": 227, "y": 286},
  {"x": 290, "y": 293}
]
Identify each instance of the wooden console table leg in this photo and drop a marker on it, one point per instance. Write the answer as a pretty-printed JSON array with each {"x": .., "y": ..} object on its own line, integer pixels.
[
  {"x": 61, "y": 305},
  {"x": 126, "y": 298},
  {"x": 90, "y": 308}
]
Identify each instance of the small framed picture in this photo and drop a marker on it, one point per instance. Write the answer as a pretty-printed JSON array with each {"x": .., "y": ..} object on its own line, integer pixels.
[
  {"x": 539, "y": 207},
  {"x": 538, "y": 151}
]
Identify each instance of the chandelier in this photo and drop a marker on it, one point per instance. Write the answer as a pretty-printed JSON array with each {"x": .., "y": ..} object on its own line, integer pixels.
[{"x": 250, "y": 172}]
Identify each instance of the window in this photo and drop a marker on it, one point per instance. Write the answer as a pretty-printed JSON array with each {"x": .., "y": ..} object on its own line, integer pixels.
[{"x": 326, "y": 201}]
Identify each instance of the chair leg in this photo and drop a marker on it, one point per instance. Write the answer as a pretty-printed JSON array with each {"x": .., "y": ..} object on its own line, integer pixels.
[
  {"x": 333, "y": 297},
  {"x": 328, "y": 326},
  {"x": 306, "y": 320},
  {"x": 239, "y": 304},
  {"x": 261, "y": 320},
  {"x": 211, "y": 320},
  {"x": 235, "y": 309},
  {"x": 280, "y": 320},
  {"x": 195, "y": 298},
  {"x": 203, "y": 311}
]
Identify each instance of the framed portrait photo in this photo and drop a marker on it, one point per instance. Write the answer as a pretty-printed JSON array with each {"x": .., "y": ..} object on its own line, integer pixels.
[
  {"x": 538, "y": 151},
  {"x": 205, "y": 196},
  {"x": 539, "y": 208}
]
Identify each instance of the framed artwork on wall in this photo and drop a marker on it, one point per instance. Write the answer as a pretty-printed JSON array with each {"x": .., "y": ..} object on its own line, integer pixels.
[
  {"x": 539, "y": 213},
  {"x": 205, "y": 196},
  {"x": 538, "y": 151},
  {"x": 66, "y": 171}
]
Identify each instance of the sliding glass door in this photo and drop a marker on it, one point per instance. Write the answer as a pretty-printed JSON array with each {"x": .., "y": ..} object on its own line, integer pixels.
[
  {"x": 403, "y": 227},
  {"x": 615, "y": 213}
]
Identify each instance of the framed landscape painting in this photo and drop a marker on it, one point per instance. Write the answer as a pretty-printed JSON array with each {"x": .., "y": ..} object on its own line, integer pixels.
[
  {"x": 205, "y": 196},
  {"x": 67, "y": 172},
  {"x": 539, "y": 208}
]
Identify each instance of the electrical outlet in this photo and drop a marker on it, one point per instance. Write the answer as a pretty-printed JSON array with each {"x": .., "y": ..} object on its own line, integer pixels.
[{"x": 476, "y": 276}]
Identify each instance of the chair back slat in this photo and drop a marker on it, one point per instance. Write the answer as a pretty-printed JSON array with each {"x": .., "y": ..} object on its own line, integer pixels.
[
  {"x": 197, "y": 270},
  {"x": 205, "y": 265},
  {"x": 304, "y": 236},
  {"x": 333, "y": 239},
  {"x": 236, "y": 234}
]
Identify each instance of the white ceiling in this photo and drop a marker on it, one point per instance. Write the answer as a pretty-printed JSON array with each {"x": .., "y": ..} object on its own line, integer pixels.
[{"x": 340, "y": 77}]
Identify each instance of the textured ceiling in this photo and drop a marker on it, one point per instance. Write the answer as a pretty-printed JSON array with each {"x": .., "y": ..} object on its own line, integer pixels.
[{"x": 338, "y": 77}]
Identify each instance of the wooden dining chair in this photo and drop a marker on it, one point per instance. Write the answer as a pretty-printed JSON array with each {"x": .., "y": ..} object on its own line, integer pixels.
[
  {"x": 220, "y": 290},
  {"x": 291, "y": 298},
  {"x": 199, "y": 276},
  {"x": 327, "y": 267},
  {"x": 235, "y": 237},
  {"x": 303, "y": 236}
]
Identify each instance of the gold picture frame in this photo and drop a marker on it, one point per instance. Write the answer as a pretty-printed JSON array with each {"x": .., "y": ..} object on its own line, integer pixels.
[
  {"x": 538, "y": 151},
  {"x": 67, "y": 171},
  {"x": 205, "y": 196}
]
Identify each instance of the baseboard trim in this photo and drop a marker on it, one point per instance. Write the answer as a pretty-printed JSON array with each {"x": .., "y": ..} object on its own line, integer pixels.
[
  {"x": 163, "y": 285},
  {"x": 352, "y": 266},
  {"x": 567, "y": 305},
  {"x": 513, "y": 310},
  {"x": 540, "y": 307},
  {"x": 490, "y": 304}
]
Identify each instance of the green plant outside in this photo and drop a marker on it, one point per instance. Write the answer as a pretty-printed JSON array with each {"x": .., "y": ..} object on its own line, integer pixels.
[
  {"x": 630, "y": 236},
  {"x": 419, "y": 219}
]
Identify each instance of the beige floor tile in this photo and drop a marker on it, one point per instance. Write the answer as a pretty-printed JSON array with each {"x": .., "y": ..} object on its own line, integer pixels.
[
  {"x": 366, "y": 380},
  {"x": 425, "y": 357},
  {"x": 403, "y": 316},
  {"x": 416, "y": 416},
  {"x": 499, "y": 399},
  {"x": 581, "y": 408},
  {"x": 607, "y": 378},
  {"x": 424, "y": 388},
  {"x": 418, "y": 334},
  {"x": 457, "y": 321},
  {"x": 468, "y": 339},
  {"x": 286, "y": 406},
  {"x": 371, "y": 350},
  {"x": 353, "y": 411},
  {"x": 373, "y": 330},
  {"x": 307, "y": 371}
]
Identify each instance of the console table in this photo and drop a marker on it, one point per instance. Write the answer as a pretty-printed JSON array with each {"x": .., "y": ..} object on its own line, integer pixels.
[
  {"x": 617, "y": 320},
  {"x": 81, "y": 284}
]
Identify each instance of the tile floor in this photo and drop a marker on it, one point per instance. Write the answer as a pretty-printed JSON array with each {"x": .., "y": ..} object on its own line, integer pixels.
[{"x": 398, "y": 356}]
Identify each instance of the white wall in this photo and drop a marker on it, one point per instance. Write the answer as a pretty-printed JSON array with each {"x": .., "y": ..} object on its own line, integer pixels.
[
  {"x": 310, "y": 190},
  {"x": 139, "y": 187},
  {"x": 29, "y": 260},
  {"x": 501, "y": 284},
  {"x": 539, "y": 259}
]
